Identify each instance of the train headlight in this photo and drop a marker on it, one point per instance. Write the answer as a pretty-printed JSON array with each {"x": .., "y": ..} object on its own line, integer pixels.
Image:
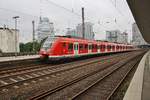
[{"x": 44, "y": 52}]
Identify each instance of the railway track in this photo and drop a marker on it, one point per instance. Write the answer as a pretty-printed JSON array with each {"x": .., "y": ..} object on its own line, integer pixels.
[
  {"x": 72, "y": 89},
  {"x": 42, "y": 67},
  {"x": 36, "y": 73},
  {"x": 22, "y": 67},
  {"x": 17, "y": 80},
  {"x": 106, "y": 86}
]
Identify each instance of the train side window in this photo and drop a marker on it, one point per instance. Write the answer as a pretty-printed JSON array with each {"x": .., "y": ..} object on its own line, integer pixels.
[
  {"x": 100, "y": 46},
  {"x": 81, "y": 46},
  {"x": 75, "y": 46},
  {"x": 103, "y": 47},
  {"x": 90, "y": 47},
  {"x": 113, "y": 47},
  {"x": 123, "y": 47},
  {"x": 64, "y": 45},
  {"x": 86, "y": 46},
  {"x": 117, "y": 47},
  {"x": 70, "y": 47},
  {"x": 108, "y": 47},
  {"x": 95, "y": 46}
]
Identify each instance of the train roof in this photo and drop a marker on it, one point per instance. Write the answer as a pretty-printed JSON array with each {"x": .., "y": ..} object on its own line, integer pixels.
[{"x": 69, "y": 38}]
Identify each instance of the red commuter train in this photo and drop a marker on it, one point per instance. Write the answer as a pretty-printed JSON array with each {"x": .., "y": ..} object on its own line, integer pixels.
[{"x": 64, "y": 47}]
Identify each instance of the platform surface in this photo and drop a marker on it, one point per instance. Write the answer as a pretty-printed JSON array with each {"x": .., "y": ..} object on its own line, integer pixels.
[
  {"x": 13, "y": 58},
  {"x": 139, "y": 88}
]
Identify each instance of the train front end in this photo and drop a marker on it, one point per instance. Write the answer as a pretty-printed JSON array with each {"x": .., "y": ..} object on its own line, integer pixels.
[{"x": 47, "y": 48}]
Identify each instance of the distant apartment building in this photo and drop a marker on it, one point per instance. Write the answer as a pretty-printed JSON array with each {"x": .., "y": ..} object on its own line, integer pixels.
[
  {"x": 116, "y": 36},
  {"x": 45, "y": 28},
  {"x": 123, "y": 37},
  {"x": 9, "y": 40},
  {"x": 137, "y": 38},
  {"x": 72, "y": 32},
  {"x": 112, "y": 36},
  {"x": 89, "y": 34}
]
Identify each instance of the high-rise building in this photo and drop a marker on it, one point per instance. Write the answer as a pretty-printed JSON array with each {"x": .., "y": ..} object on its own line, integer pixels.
[
  {"x": 45, "y": 28},
  {"x": 123, "y": 38},
  {"x": 116, "y": 36},
  {"x": 71, "y": 32},
  {"x": 112, "y": 36},
  {"x": 89, "y": 34},
  {"x": 137, "y": 38},
  {"x": 9, "y": 40}
]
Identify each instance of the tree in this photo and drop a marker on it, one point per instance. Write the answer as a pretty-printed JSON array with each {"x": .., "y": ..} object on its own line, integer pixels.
[
  {"x": 22, "y": 47},
  {"x": 28, "y": 47}
]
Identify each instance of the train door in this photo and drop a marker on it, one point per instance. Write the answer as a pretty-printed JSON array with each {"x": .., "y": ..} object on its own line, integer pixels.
[
  {"x": 98, "y": 48},
  {"x": 76, "y": 48},
  {"x": 89, "y": 48}
]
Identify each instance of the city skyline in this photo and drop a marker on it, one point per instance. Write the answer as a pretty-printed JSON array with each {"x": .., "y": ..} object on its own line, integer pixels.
[{"x": 107, "y": 18}]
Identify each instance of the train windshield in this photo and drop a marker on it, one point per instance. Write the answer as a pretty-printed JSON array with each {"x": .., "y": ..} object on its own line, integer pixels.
[{"x": 48, "y": 42}]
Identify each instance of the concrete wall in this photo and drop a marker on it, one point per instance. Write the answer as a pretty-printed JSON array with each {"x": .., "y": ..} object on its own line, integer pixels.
[{"x": 9, "y": 40}]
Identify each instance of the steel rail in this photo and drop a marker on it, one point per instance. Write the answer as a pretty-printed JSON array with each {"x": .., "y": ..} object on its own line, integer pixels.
[
  {"x": 43, "y": 95},
  {"x": 99, "y": 80}
]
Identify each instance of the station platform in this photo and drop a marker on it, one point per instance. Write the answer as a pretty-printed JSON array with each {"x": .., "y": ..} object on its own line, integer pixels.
[
  {"x": 13, "y": 58},
  {"x": 139, "y": 88}
]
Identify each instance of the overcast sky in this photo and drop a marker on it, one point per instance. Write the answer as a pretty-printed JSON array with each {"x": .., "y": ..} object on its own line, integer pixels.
[{"x": 102, "y": 13}]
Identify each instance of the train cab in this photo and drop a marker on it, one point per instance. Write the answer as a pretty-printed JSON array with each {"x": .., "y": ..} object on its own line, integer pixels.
[{"x": 47, "y": 47}]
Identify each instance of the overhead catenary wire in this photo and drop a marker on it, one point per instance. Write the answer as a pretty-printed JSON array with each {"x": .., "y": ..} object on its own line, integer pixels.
[
  {"x": 66, "y": 9},
  {"x": 114, "y": 3},
  {"x": 14, "y": 11},
  {"x": 115, "y": 6},
  {"x": 62, "y": 7}
]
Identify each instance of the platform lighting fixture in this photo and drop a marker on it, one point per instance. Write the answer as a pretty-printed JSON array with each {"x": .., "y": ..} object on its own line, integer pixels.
[{"x": 15, "y": 18}]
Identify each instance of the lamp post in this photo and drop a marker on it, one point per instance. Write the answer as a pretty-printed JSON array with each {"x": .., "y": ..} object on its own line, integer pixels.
[
  {"x": 15, "y": 18},
  {"x": 83, "y": 24},
  {"x": 33, "y": 34}
]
